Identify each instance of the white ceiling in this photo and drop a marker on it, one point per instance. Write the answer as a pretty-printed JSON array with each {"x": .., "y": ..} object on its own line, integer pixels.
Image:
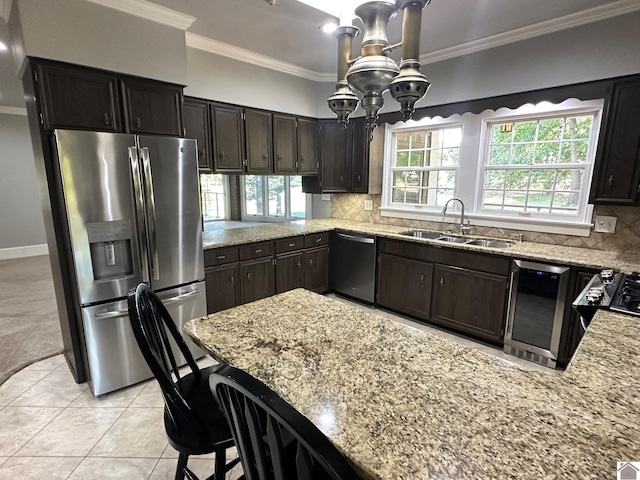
[{"x": 286, "y": 34}]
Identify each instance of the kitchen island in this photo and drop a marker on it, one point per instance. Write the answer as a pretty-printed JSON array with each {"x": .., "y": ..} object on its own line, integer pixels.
[{"x": 405, "y": 404}]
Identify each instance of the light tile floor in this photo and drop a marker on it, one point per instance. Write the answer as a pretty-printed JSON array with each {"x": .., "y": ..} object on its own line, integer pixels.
[{"x": 51, "y": 427}]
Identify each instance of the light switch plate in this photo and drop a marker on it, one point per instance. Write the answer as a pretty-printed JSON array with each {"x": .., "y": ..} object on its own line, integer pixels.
[
  {"x": 605, "y": 224},
  {"x": 368, "y": 205}
]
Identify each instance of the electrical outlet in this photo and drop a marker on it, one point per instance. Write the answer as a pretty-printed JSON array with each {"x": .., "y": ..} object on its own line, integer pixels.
[
  {"x": 326, "y": 197},
  {"x": 368, "y": 205},
  {"x": 605, "y": 224}
]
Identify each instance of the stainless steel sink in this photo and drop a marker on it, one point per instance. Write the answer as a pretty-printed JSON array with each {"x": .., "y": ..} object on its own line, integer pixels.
[
  {"x": 422, "y": 234},
  {"x": 439, "y": 237},
  {"x": 452, "y": 239},
  {"x": 490, "y": 243}
]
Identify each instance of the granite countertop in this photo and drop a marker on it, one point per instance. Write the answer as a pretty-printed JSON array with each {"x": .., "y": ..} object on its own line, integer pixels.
[
  {"x": 405, "y": 404},
  {"x": 575, "y": 256}
]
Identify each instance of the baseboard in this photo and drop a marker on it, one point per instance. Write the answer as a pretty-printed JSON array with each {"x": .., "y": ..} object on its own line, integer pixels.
[{"x": 28, "y": 251}]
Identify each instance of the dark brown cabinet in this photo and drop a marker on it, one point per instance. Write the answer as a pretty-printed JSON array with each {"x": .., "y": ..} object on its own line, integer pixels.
[
  {"x": 77, "y": 98},
  {"x": 256, "y": 279},
  {"x": 228, "y": 138},
  {"x": 221, "y": 287},
  {"x": 307, "y": 145},
  {"x": 258, "y": 135},
  {"x": 316, "y": 269},
  {"x": 334, "y": 156},
  {"x": 195, "y": 114},
  {"x": 289, "y": 272},
  {"x": 617, "y": 168},
  {"x": 359, "y": 172},
  {"x": 284, "y": 145},
  {"x": 404, "y": 285},
  {"x": 470, "y": 301},
  {"x": 152, "y": 107}
]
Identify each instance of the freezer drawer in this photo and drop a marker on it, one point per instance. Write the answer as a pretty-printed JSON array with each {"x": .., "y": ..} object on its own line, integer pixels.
[{"x": 113, "y": 357}]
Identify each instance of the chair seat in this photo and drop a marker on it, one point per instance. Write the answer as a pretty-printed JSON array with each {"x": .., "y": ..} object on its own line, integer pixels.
[{"x": 214, "y": 433}]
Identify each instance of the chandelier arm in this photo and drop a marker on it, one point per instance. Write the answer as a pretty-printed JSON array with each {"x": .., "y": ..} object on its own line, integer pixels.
[{"x": 391, "y": 48}]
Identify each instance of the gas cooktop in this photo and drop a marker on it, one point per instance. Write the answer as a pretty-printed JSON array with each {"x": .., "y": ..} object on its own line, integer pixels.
[{"x": 627, "y": 297}]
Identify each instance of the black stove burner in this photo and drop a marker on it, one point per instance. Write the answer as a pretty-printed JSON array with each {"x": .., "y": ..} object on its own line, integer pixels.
[{"x": 627, "y": 298}]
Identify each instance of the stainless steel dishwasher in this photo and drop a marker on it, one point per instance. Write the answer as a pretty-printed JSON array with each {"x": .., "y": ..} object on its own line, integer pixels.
[{"x": 353, "y": 265}]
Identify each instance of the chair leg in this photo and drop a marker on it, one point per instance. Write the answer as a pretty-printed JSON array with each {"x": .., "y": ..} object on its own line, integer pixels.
[
  {"x": 221, "y": 463},
  {"x": 182, "y": 462}
]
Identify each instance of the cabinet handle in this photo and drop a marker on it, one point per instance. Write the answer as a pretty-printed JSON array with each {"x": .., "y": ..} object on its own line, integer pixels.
[
  {"x": 299, "y": 264},
  {"x": 265, "y": 156},
  {"x": 279, "y": 158},
  {"x": 359, "y": 177},
  {"x": 442, "y": 281},
  {"x": 292, "y": 244},
  {"x": 221, "y": 257},
  {"x": 318, "y": 240},
  {"x": 221, "y": 155},
  {"x": 233, "y": 280},
  {"x": 106, "y": 119},
  {"x": 203, "y": 153},
  {"x": 138, "y": 122},
  {"x": 422, "y": 279},
  {"x": 340, "y": 178},
  {"x": 249, "y": 276},
  {"x": 259, "y": 250},
  {"x": 611, "y": 180},
  {"x": 311, "y": 261}
]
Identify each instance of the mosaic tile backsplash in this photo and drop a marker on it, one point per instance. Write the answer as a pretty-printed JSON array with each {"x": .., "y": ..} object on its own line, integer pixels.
[{"x": 625, "y": 239}]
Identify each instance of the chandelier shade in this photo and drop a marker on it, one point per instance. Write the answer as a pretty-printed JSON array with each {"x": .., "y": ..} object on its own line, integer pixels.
[{"x": 374, "y": 71}]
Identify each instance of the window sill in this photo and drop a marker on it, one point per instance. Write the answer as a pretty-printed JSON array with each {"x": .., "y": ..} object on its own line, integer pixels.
[{"x": 528, "y": 224}]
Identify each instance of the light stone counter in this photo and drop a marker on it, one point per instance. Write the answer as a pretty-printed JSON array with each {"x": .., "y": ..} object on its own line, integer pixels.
[
  {"x": 405, "y": 404},
  {"x": 575, "y": 256}
]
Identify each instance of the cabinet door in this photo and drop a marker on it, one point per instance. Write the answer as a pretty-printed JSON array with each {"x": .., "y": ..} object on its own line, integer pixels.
[
  {"x": 259, "y": 141},
  {"x": 284, "y": 145},
  {"x": 571, "y": 323},
  {"x": 316, "y": 269},
  {"x": 307, "y": 147},
  {"x": 78, "y": 98},
  {"x": 334, "y": 143},
  {"x": 197, "y": 125},
  {"x": 228, "y": 134},
  {"x": 359, "y": 156},
  {"x": 256, "y": 279},
  {"x": 405, "y": 285},
  {"x": 469, "y": 301},
  {"x": 152, "y": 107},
  {"x": 289, "y": 271},
  {"x": 221, "y": 287},
  {"x": 617, "y": 179}
]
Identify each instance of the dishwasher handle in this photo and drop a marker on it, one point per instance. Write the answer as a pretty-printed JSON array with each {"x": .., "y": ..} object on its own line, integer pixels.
[{"x": 353, "y": 238}]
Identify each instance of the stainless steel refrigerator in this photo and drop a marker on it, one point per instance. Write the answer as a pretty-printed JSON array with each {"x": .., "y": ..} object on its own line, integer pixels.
[{"x": 133, "y": 212}]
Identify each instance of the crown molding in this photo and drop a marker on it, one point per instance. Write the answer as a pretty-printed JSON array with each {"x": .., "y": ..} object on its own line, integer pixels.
[
  {"x": 596, "y": 14},
  {"x": 5, "y": 9},
  {"x": 13, "y": 110},
  {"x": 224, "y": 49},
  {"x": 149, "y": 11}
]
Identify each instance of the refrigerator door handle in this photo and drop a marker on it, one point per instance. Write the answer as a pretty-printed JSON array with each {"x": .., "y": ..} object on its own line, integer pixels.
[
  {"x": 111, "y": 314},
  {"x": 180, "y": 297},
  {"x": 151, "y": 213},
  {"x": 138, "y": 201}
]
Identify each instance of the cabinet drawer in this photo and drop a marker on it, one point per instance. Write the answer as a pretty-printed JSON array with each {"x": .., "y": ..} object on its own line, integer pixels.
[
  {"x": 256, "y": 250},
  {"x": 407, "y": 249},
  {"x": 289, "y": 244},
  {"x": 220, "y": 256},
  {"x": 474, "y": 261},
  {"x": 316, "y": 239}
]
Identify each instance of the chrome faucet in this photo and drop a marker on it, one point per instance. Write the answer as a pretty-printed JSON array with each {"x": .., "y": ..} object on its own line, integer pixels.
[{"x": 463, "y": 228}]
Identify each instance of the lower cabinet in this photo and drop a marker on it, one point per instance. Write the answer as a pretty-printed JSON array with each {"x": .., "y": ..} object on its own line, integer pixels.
[
  {"x": 404, "y": 285},
  {"x": 221, "y": 287},
  {"x": 470, "y": 301},
  {"x": 289, "y": 272},
  {"x": 316, "y": 269},
  {"x": 256, "y": 279}
]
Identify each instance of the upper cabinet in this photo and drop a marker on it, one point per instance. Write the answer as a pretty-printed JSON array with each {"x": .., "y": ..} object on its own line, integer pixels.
[
  {"x": 616, "y": 177},
  {"x": 307, "y": 140},
  {"x": 228, "y": 138},
  {"x": 284, "y": 144},
  {"x": 195, "y": 116},
  {"x": 76, "y": 97},
  {"x": 259, "y": 141},
  {"x": 152, "y": 107},
  {"x": 334, "y": 156}
]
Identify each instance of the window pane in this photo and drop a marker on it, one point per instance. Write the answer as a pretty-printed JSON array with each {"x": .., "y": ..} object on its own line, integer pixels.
[
  {"x": 298, "y": 198},
  {"x": 412, "y": 178},
  {"x": 550, "y": 129},
  {"x": 399, "y": 179},
  {"x": 277, "y": 206},
  {"x": 412, "y": 195},
  {"x": 402, "y": 159},
  {"x": 397, "y": 195},
  {"x": 514, "y": 200},
  {"x": 539, "y": 201},
  {"x": 570, "y": 179},
  {"x": 542, "y": 179},
  {"x": 547, "y": 152},
  {"x": 500, "y": 136},
  {"x": 417, "y": 140},
  {"x": 447, "y": 179},
  {"x": 434, "y": 139},
  {"x": 500, "y": 155},
  {"x": 565, "y": 203},
  {"x": 416, "y": 159},
  {"x": 432, "y": 158},
  {"x": 578, "y": 127},
  {"x": 518, "y": 179},
  {"x": 452, "y": 137},
  {"x": 522, "y": 154},
  {"x": 495, "y": 179},
  {"x": 493, "y": 199},
  {"x": 574, "y": 152},
  {"x": 451, "y": 156},
  {"x": 212, "y": 191},
  {"x": 524, "y": 131},
  {"x": 402, "y": 141},
  {"x": 253, "y": 185}
]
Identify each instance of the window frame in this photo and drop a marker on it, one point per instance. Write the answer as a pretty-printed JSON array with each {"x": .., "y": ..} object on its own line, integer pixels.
[
  {"x": 265, "y": 217},
  {"x": 225, "y": 187}
]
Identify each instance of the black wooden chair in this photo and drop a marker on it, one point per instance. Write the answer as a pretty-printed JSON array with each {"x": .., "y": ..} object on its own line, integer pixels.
[
  {"x": 274, "y": 440},
  {"x": 194, "y": 425}
]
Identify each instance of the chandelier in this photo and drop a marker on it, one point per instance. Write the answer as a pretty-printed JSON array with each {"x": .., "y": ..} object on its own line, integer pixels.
[{"x": 374, "y": 72}]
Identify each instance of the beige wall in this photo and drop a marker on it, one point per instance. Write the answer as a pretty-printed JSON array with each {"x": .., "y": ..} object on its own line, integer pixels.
[{"x": 89, "y": 34}]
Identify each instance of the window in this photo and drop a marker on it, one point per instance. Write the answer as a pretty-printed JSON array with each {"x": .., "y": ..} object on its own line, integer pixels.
[
  {"x": 425, "y": 165},
  {"x": 273, "y": 198},
  {"x": 537, "y": 164},
  {"x": 528, "y": 168},
  {"x": 213, "y": 193}
]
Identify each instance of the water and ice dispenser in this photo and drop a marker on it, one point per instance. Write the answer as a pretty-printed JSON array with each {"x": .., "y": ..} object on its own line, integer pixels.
[{"x": 110, "y": 246}]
